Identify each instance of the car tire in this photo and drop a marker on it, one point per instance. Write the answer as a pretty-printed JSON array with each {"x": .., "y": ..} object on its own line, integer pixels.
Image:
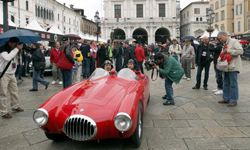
[
  {"x": 137, "y": 136},
  {"x": 55, "y": 137}
]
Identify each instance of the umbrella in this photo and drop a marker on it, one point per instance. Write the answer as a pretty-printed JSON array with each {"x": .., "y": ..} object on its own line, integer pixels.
[
  {"x": 243, "y": 42},
  {"x": 72, "y": 36},
  {"x": 188, "y": 38},
  {"x": 24, "y": 36}
]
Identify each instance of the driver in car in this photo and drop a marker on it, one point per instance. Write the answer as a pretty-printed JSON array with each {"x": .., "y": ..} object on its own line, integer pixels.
[{"x": 108, "y": 65}]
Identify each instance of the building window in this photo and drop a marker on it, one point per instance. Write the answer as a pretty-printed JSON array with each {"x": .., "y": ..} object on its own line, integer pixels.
[
  {"x": 41, "y": 12},
  {"x": 27, "y": 21},
  {"x": 187, "y": 14},
  {"x": 222, "y": 15},
  {"x": 216, "y": 5},
  {"x": 248, "y": 23},
  {"x": 238, "y": 26},
  {"x": 58, "y": 17},
  {"x": 69, "y": 30},
  {"x": 240, "y": 9},
  {"x": 27, "y": 5},
  {"x": 139, "y": 10},
  {"x": 197, "y": 11},
  {"x": 212, "y": 6},
  {"x": 222, "y": 3},
  {"x": 222, "y": 27},
  {"x": 237, "y": 10},
  {"x": 216, "y": 17},
  {"x": 64, "y": 30},
  {"x": 162, "y": 10},
  {"x": 38, "y": 11},
  {"x": 200, "y": 18},
  {"x": 118, "y": 11},
  {"x": 12, "y": 18},
  {"x": 12, "y": 3},
  {"x": 197, "y": 19},
  {"x": 64, "y": 18},
  {"x": 69, "y": 21}
]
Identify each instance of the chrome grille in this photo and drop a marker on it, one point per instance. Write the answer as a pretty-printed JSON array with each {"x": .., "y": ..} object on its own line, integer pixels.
[{"x": 80, "y": 128}]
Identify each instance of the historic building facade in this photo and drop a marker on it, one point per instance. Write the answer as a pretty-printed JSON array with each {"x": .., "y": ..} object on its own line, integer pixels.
[
  {"x": 147, "y": 21},
  {"x": 49, "y": 13},
  {"x": 194, "y": 19}
]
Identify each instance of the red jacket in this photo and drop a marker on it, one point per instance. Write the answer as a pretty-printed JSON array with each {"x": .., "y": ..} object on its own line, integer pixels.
[
  {"x": 54, "y": 55},
  {"x": 139, "y": 54}
]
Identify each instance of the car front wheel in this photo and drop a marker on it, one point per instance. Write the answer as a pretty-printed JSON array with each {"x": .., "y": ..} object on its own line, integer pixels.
[
  {"x": 137, "y": 136},
  {"x": 55, "y": 137}
]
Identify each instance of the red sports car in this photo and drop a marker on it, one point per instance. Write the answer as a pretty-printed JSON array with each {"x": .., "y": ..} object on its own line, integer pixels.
[{"x": 107, "y": 105}]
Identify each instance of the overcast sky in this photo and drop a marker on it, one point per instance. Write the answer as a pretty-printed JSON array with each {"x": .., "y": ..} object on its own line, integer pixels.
[{"x": 91, "y": 6}]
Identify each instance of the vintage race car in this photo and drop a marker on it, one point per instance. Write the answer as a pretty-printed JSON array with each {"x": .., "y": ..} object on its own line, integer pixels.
[{"x": 106, "y": 106}]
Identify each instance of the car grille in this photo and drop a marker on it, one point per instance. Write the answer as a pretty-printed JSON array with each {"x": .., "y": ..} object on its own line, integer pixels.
[{"x": 80, "y": 128}]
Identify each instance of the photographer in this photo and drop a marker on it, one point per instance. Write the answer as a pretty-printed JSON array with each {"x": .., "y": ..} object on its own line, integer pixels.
[
  {"x": 171, "y": 71},
  {"x": 8, "y": 83}
]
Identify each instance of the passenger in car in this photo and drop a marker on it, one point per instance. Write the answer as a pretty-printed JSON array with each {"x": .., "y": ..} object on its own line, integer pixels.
[{"x": 131, "y": 65}]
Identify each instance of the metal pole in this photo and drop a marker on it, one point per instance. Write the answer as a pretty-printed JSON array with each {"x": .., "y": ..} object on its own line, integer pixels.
[
  {"x": 5, "y": 16},
  {"x": 97, "y": 33},
  {"x": 19, "y": 19}
]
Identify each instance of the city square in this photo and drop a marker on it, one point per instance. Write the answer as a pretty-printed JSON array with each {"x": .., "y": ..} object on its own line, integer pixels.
[{"x": 78, "y": 75}]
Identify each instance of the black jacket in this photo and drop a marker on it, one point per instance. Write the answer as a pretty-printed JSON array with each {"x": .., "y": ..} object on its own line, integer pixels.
[
  {"x": 38, "y": 59},
  {"x": 209, "y": 54},
  {"x": 217, "y": 51},
  {"x": 85, "y": 49}
]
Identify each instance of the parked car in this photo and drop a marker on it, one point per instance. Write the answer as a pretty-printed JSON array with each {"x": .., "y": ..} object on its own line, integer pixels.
[{"x": 105, "y": 106}]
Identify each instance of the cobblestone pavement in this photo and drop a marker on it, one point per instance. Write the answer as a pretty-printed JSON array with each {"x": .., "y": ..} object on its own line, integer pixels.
[{"x": 197, "y": 122}]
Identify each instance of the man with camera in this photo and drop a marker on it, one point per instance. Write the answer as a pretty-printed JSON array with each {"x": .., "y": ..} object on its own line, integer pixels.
[
  {"x": 8, "y": 83},
  {"x": 170, "y": 70}
]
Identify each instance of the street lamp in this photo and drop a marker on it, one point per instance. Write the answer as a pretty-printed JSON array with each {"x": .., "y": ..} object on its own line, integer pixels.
[
  {"x": 5, "y": 14},
  {"x": 97, "y": 21},
  {"x": 210, "y": 17}
]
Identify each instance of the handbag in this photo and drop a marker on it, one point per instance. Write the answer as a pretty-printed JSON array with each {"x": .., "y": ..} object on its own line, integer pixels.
[
  {"x": 64, "y": 63},
  {"x": 222, "y": 65}
]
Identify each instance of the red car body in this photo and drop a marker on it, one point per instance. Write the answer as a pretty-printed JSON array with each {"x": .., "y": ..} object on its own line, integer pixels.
[{"x": 101, "y": 100}]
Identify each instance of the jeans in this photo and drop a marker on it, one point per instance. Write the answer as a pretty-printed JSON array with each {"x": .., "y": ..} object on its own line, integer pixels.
[
  {"x": 67, "y": 78},
  {"x": 199, "y": 72},
  {"x": 38, "y": 77},
  {"x": 219, "y": 78},
  {"x": 86, "y": 68},
  {"x": 169, "y": 89},
  {"x": 230, "y": 87}
]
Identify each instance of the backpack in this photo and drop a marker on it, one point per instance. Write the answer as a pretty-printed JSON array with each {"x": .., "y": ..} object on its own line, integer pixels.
[{"x": 63, "y": 62}]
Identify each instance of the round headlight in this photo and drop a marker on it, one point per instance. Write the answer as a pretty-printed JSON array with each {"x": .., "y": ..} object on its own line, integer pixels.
[
  {"x": 123, "y": 122},
  {"x": 41, "y": 116}
]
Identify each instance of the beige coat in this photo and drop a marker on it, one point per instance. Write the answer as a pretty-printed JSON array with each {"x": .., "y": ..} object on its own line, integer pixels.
[{"x": 235, "y": 49}]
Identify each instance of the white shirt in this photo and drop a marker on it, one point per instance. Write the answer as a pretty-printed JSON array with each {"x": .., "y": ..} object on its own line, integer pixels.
[
  {"x": 5, "y": 57},
  {"x": 175, "y": 49}
]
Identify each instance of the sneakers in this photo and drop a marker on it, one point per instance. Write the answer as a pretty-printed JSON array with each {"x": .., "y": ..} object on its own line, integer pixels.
[
  {"x": 219, "y": 92},
  {"x": 60, "y": 82},
  {"x": 53, "y": 82},
  {"x": 167, "y": 103},
  {"x": 46, "y": 86},
  {"x": 184, "y": 77},
  {"x": 188, "y": 79},
  {"x": 232, "y": 104},
  {"x": 18, "y": 109},
  {"x": 215, "y": 90},
  {"x": 33, "y": 90},
  {"x": 195, "y": 88},
  {"x": 164, "y": 97},
  {"x": 7, "y": 116},
  {"x": 205, "y": 88}
]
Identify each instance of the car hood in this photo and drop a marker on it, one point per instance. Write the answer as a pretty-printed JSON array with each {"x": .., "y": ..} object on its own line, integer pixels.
[{"x": 96, "y": 99}]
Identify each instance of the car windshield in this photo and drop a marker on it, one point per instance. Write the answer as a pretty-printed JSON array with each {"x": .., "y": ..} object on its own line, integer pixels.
[
  {"x": 99, "y": 73},
  {"x": 126, "y": 74}
]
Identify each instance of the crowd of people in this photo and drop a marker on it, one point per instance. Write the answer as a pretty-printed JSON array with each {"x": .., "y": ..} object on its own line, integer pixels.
[{"x": 75, "y": 60}]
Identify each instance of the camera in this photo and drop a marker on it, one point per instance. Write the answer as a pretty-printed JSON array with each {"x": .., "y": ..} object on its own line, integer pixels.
[{"x": 149, "y": 64}]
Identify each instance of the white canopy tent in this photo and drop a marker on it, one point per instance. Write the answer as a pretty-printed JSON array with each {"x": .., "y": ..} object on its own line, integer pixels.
[
  {"x": 55, "y": 30},
  {"x": 34, "y": 25},
  {"x": 214, "y": 33}
]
